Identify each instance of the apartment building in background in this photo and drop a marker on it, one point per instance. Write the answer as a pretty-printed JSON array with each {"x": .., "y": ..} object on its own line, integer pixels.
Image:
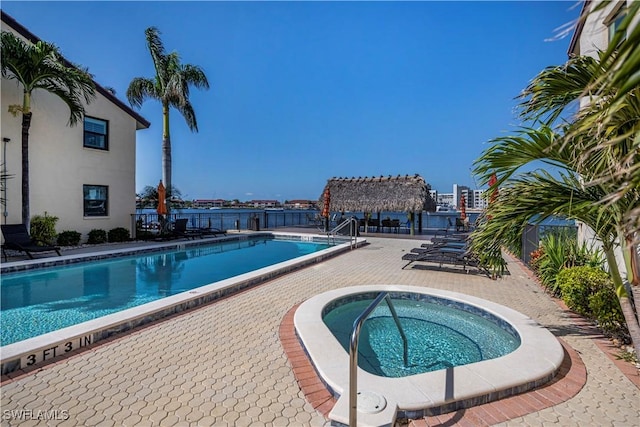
[{"x": 85, "y": 174}]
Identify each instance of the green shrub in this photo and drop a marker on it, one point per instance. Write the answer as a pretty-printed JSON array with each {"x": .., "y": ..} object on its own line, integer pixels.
[
  {"x": 553, "y": 259},
  {"x": 605, "y": 309},
  {"x": 577, "y": 284},
  {"x": 97, "y": 236},
  {"x": 560, "y": 250},
  {"x": 119, "y": 234},
  {"x": 43, "y": 228},
  {"x": 69, "y": 238}
]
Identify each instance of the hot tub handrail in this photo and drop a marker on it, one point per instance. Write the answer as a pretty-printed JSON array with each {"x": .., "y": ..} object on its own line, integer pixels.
[{"x": 353, "y": 351}]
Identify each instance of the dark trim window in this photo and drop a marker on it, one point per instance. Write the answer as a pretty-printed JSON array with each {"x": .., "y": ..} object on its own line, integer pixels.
[
  {"x": 96, "y": 200},
  {"x": 615, "y": 20},
  {"x": 96, "y": 133}
]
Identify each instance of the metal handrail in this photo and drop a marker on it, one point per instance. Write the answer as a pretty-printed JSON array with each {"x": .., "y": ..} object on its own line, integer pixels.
[
  {"x": 353, "y": 231},
  {"x": 353, "y": 352}
]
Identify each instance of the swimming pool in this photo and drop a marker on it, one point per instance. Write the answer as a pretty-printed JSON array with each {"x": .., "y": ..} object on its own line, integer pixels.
[
  {"x": 103, "y": 297},
  {"x": 534, "y": 362},
  {"x": 36, "y": 302},
  {"x": 439, "y": 335}
]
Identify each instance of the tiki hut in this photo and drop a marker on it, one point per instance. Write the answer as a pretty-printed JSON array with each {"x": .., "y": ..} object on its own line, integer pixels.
[{"x": 380, "y": 194}]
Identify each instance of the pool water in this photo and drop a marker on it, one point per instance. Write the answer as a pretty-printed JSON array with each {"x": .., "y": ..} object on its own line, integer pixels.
[
  {"x": 439, "y": 336},
  {"x": 45, "y": 300}
]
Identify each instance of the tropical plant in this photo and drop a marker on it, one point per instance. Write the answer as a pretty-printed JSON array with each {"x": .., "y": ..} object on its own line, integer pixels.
[
  {"x": 580, "y": 155},
  {"x": 118, "y": 234},
  {"x": 605, "y": 309},
  {"x": 40, "y": 66},
  {"x": 43, "y": 228},
  {"x": 577, "y": 284},
  {"x": 170, "y": 86},
  {"x": 97, "y": 236},
  {"x": 69, "y": 238},
  {"x": 616, "y": 88},
  {"x": 149, "y": 196}
]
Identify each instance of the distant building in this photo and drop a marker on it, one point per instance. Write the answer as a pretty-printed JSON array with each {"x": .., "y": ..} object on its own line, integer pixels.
[
  {"x": 474, "y": 198},
  {"x": 85, "y": 174},
  {"x": 262, "y": 204},
  {"x": 445, "y": 200},
  {"x": 207, "y": 203},
  {"x": 458, "y": 192},
  {"x": 477, "y": 201},
  {"x": 301, "y": 204}
]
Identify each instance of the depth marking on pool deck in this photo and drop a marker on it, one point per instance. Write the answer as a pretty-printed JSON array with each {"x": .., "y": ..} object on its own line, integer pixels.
[
  {"x": 57, "y": 350},
  {"x": 27, "y": 354}
]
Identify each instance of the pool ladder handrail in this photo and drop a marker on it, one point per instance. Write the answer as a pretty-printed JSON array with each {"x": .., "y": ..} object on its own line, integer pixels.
[
  {"x": 353, "y": 351},
  {"x": 353, "y": 231}
]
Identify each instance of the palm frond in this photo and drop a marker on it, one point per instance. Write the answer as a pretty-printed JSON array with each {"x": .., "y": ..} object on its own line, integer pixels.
[{"x": 141, "y": 89}]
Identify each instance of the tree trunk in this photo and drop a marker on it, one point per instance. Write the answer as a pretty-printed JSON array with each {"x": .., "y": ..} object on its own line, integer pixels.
[
  {"x": 26, "y": 124},
  {"x": 166, "y": 157},
  {"x": 630, "y": 252},
  {"x": 625, "y": 303}
]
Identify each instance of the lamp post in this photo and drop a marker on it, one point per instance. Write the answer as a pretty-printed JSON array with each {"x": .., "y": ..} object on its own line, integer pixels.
[{"x": 5, "y": 213}]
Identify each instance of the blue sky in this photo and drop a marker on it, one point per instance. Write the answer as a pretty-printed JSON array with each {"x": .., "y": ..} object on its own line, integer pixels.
[{"x": 305, "y": 91}]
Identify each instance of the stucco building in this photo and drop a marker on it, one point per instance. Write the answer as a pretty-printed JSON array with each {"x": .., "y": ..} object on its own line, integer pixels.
[
  {"x": 84, "y": 175},
  {"x": 593, "y": 34}
]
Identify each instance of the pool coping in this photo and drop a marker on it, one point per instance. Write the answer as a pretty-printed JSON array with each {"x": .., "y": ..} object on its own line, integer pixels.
[
  {"x": 44, "y": 348},
  {"x": 433, "y": 392}
]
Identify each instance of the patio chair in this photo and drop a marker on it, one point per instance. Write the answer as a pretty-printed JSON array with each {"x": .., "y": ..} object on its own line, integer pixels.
[
  {"x": 448, "y": 256},
  {"x": 17, "y": 238},
  {"x": 427, "y": 247},
  {"x": 209, "y": 231},
  {"x": 180, "y": 229}
]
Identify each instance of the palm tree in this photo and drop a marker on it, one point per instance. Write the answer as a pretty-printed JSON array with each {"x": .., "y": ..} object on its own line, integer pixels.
[
  {"x": 582, "y": 155},
  {"x": 618, "y": 107},
  {"x": 41, "y": 66},
  {"x": 170, "y": 86},
  {"x": 149, "y": 195}
]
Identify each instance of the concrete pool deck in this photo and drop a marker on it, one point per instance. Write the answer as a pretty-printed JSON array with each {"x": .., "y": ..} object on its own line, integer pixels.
[{"x": 224, "y": 363}]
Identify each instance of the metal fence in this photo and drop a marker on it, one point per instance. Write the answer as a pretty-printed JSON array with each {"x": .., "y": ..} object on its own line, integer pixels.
[
  {"x": 533, "y": 233},
  {"x": 229, "y": 220}
]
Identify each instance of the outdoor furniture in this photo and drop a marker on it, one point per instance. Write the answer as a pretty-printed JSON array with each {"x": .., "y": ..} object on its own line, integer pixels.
[
  {"x": 438, "y": 246},
  {"x": 210, "y": 231},
  {"x": 16, "y": 237},
  {"x": 180, "y": 229},
  {"x": 391, "y": 224},
  {"x": 448, "y": 256}
]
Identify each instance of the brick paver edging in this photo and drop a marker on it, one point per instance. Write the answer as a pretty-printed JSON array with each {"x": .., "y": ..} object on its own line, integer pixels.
[{"x": 569, "y": 380}]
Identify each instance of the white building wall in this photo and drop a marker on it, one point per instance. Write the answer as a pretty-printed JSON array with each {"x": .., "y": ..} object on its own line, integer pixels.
[
  {"x": 60, "y": 165},
  {"x": 594, "y": 37}
]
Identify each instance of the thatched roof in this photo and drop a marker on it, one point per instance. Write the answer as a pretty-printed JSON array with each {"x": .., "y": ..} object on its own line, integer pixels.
[{"x": 376, "y": 194}]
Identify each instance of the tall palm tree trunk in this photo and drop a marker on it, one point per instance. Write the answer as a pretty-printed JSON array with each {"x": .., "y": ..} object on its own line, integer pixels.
[
  {"x": 623, "y": 298},
  {"x": 166, "y": 155},
  {"x": 26, "y": 124}
]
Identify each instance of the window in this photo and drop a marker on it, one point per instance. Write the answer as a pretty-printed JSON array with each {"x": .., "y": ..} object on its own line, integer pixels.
[
  {"x": 95, "y": 133},
  {"x": 96, "y": 198},
  {"x": 614, "y": 21}
]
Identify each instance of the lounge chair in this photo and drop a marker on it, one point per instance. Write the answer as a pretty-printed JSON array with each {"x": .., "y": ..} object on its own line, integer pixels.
[
  {"x": 461, "y": 246},
  {"x": 449, "y": 256},
  {"x": 17, "y": 238},
  {"x": 180, "y": 229},
  {"x": 210, "y": 231}
]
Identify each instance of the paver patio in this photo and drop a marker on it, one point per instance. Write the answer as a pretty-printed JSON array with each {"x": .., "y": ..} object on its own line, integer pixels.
[{"x": 224, "y": 363}]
